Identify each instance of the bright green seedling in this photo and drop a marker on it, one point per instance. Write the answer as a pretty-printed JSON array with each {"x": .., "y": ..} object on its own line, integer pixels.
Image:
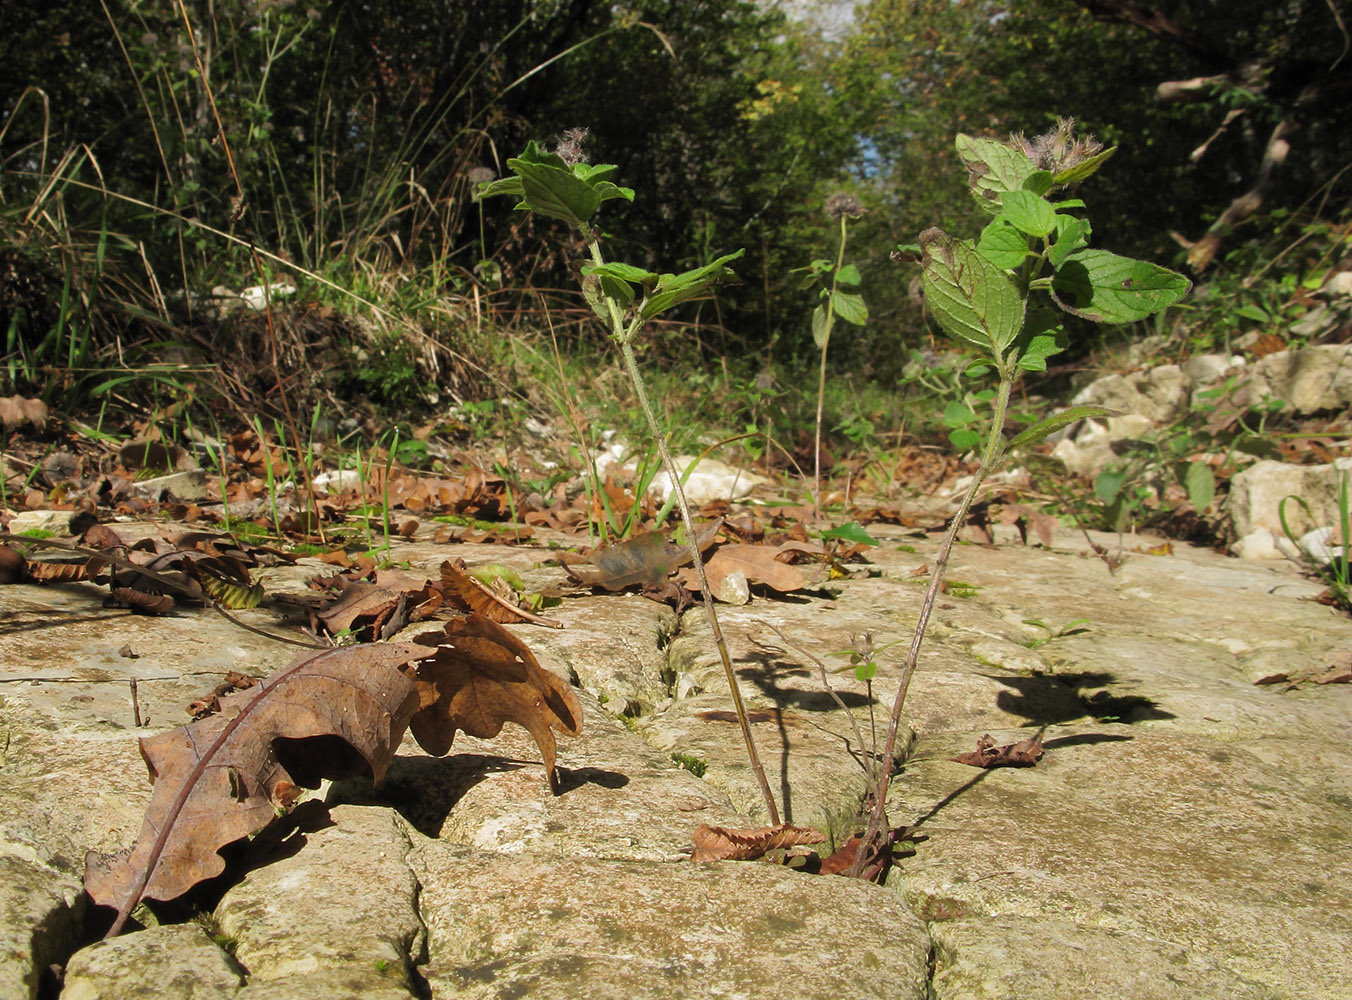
[
  {"x": 560, "y": 184},
  {"x": 1079, "y": 626},
  {"x": 1002, "y": 295}
]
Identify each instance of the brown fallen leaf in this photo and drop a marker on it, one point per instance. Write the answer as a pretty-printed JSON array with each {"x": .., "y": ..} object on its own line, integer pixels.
[
  {"x": 758, "y": 563},
  {"x": 1024, "y": 753},
  {"x": 471, "y": 595},
  {"x": 718, "y": 843},
  {"x": 483, "y": 676},
  {"x": 643, "y": 561},
  {"x": 15, "y": 410},
  {"x": 227, "y": 776}
]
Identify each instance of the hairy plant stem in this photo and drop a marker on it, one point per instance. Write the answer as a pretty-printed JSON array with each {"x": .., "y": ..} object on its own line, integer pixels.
[
  {"x": 991, "y": 460},
  {"x": 624, "y": 337}
]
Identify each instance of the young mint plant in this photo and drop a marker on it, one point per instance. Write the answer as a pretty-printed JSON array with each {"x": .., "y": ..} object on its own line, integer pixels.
[
  {"x": 562, "y": 185},
  {"x": 1002, "y": 295},
  {"x": 839, "y": 299}
]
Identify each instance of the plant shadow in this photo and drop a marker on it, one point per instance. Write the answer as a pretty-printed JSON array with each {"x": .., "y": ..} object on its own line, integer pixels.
[{"x": 1052, "y": 699}]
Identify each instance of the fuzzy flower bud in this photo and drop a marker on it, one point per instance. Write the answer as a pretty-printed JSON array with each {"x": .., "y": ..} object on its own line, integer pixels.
[
  {"x": 1059, "y": 149},
  {"x": 569, "y": 148},
  {"x": 841, "y": 204}
]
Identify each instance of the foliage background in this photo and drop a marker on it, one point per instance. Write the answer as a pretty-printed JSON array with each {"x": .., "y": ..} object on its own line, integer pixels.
[{"x": 356, "y": 132}]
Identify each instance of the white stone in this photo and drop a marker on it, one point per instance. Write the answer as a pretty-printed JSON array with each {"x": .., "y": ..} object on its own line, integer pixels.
[
  {"x": 55, "y": 521},
  {"x": 1322, "y": 545},
  {"x": 256, "y": 298},
  {"x": 338, "y": 480}
]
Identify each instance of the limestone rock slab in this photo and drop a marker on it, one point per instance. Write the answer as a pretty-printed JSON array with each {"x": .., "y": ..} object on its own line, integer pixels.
[
  {"x": 1031, "y": 958},
  {"x": 552, "y": 928},
  {"x": 179, "y": 962},
  {"x": 40, "y": 913},
  {"x": 621, "y": 799},
  {"x": 811, "y": 757},
  {"x": 613, "y": 644},
  {"x": 343, "y": 904},
  {"x": 1209, "y": 849}
]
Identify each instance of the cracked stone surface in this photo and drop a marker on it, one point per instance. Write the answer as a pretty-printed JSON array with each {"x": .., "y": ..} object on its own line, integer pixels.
[{"x": 1184, "y": 835}]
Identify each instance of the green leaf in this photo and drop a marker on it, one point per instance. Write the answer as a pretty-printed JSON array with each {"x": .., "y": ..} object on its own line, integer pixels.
[
  {"x": 1253, "y": 312},
  {"x": 1200, "y": 483},
  {"x": 958, "y": 414},
  {"x": 850, "y": 531},
  {"x": 993, "y": 168},
  {"x": 675, "y": 288},
  {"x": 1108, "y": 484},
  {"x": 1039, "y": 182},
  {"x": 1071, "y": 233},
  {"x": 1002, "y": 244},
  {"x": 850, "y": 307},
  {"x": 593, "y": 173},
  {"x": 625, "y": 272},
  {"x": 848, "y": 275},
  {"x": 606, "y": 191},
  {"x": 1029, "y": 213},
  {"x": 1106, "y": 288},
  {"x": 972, "y": 299},
  {"x": 821, "y": 326},
  {"x": 1081, "y": 170},
  {"x": 507, "y": 185},
  {"x": 555, "y": 191},
  {"x": 1040, "y": 348},
  {"x": 1052, "y": 424},
  {"x": 964, "y": 439},
  {"x": 614, "y": 288}
]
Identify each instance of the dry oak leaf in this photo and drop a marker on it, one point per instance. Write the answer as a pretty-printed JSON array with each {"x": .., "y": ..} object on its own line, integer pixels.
[
  {"x": 718, "y": 843},
  {"x": 644, "y": 560},
  {"x": 232, "y": 773},
  {"x": 500, "y": 604},
  {"x": 1024, "y": 753},
  {"x": 483, "y": 676},
  {"x": 758, "y": 563}
]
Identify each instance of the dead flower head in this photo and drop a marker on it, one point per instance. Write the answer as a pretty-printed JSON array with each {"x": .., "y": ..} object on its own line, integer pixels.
[
  {"x": 841, "y": 204},
  {"x": 570, "y": 145},
  {"x": 1058, "y": 149}
]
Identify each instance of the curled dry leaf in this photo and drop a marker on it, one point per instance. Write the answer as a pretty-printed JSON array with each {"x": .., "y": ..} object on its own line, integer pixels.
[
  {"x": 643, "y": 561},
  {"x": 717, "y": 843},
  {"x": 483, "y": 676},
  {"x": 231, "y": 774},
  {"x": 142, "y": 600},
  {"x": 59, "y": 571},
  {"x": 468, "y": 593},
  {"x": 1024, "y": 753}
]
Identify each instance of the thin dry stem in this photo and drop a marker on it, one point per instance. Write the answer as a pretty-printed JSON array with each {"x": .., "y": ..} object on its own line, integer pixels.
[{"x": 989, "y": 462}]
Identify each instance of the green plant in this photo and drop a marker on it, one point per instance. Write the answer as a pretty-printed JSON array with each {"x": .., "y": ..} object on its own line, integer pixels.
[
  {"x": 1335, "y": 570},
  {"x": 1077, "y": 627},
  {"x": 562, "y": 185},
  {"x": 980, "y": 293},
  {"x": 695, "y": 765},
  {"x": 837, "y": 298}
]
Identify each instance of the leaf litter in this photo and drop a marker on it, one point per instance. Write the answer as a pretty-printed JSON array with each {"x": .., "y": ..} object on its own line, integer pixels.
[{"x": 327, "y": 715}]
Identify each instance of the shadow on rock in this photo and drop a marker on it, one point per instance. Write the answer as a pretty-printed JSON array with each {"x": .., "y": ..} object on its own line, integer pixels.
[
  {"x": 1053, "y": 699},
  {"x": 424, "y": 790}
]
